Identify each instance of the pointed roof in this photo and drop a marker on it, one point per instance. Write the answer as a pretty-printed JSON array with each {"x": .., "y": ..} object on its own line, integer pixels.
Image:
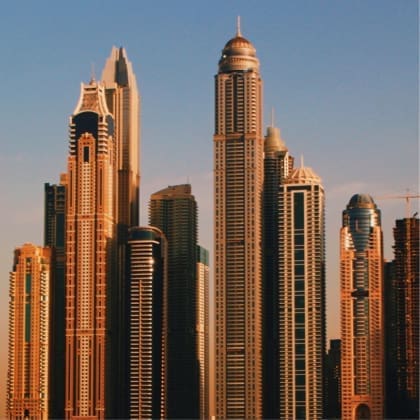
[{"x": 303, "y": 175}]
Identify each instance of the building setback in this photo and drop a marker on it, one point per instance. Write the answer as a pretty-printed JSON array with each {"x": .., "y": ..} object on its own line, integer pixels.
[
  {"x": 29, "y": 319},
  {"x": 362, "y": 323},
  {"x": 173, "y": 210},
  {"x": 238, "y": 188},
  {"x": 90, "y": 256},
  {"x": 146, "y": 325},
  {"x": 301, "y": 313}
]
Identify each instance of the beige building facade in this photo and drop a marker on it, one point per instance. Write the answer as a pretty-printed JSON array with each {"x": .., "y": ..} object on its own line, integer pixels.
[{"x": 238, "y": 184}]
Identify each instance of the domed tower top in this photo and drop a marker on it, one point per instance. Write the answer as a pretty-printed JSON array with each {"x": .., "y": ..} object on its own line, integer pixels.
[
  {"x": 361, "y": 201},
  {"x": 238, "y": 54}
]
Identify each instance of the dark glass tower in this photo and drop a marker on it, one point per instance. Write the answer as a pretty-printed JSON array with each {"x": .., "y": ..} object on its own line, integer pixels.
[
  {"x": 146, "y": 322},
  {"x": 174, "y": 211},
  {"x": 406, "y": 250},
  {"x": 54, "y": 237},
  {"x": 277, "y": 166},
  {"x": 333, "y": 381}
]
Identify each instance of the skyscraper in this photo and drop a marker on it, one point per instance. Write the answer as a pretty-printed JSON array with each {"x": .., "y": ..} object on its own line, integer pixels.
[
  {"x": 146, "y": 322},
  {"x": 277, "y": 166},
  {"x": 301, "y": 313},
  {"x": 362, "y": 325},
  {"x": 238, "y": 186},
  {"x": 123, "y": 102},
  {"x": 90, "y": 239},
  {"x": 29, "y": 317},
  {"x": 174, "y": 211},
  {"x": 203, "y": 277},
  {"x": 406, "y": 250},
  {"x": 54, "y": 237},
  {"x": 333, "y": 381}
]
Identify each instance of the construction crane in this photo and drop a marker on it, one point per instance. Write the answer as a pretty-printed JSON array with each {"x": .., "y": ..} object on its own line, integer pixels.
[{"x": 407, "y": 197}]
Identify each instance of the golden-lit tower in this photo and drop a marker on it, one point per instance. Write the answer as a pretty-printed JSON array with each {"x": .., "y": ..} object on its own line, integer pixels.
[
  {"x": 29, "y": 319},
  {"x": 301, "y": 295},
  {"x": 90, "y": 232},
  {"x": 238, "y": 183},
  {"x": 362, "y": 324}
]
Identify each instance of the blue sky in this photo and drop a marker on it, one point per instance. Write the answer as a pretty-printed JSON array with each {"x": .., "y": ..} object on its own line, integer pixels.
[{"x": 341, "y": 76}]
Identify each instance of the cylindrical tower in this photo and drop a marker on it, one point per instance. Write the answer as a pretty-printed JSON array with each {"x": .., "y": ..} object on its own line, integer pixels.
[{"x": 362, "y": 333}]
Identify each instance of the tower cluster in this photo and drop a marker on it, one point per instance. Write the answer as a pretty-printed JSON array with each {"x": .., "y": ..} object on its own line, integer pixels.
[{"x": 109, "y": 319}]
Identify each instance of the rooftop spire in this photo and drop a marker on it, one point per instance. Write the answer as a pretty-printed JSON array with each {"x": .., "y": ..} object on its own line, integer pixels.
[
  {"x": 301, "y": 162},
  {"x": 92, "y": 72},
  {"x": 272, "y": 117},
  {"x": 238, "y": 26}
]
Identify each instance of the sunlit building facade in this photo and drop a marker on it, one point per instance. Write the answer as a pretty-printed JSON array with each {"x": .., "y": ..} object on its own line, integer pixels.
[
  {"x": 203, "y": 278},
  {"x": 146, "y": 322},
  {"x": 29, "y": 324},
  {"x": 173, "y": 210},
  {"x": 90, "y": 239},
  {"x": 238, "y": 186},
  {"x": 301, "y": 295},
  {"x": 362, "y": 323}
]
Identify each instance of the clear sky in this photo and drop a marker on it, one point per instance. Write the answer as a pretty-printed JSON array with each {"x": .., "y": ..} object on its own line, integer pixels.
[{"x": 341, "y": 76}]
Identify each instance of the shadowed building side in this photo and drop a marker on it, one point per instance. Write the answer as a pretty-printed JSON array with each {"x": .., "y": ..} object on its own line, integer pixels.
[
  {"x": 277, "y": 166},
  {"x": 122, "y": 97},
  {"x": 174, "y": 211},
  {"x": 54, "y": 237}
]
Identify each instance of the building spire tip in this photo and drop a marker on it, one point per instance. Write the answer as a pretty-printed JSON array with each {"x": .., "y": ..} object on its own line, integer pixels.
[{"x": 238, "y": 26}]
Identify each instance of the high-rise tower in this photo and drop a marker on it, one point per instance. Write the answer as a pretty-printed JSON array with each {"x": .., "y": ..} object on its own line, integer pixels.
[
  {"x": 29, "y": 318},
  {"x": 277, "y": 166},
  {"x": 146, "y": 322},
  {"x": 203, "y": 277},
  {"x": 238, "y": 186},
  {"x": 301, "y": 295},
  {"x": 406, "y": 289},
  {"x": 90, "y": 238},
  {"x": 174, "y": 211},
  {"x": 54, "y": 237},
  {"x": 362, "y": 329},
  {"x": 123, "y": 102}
]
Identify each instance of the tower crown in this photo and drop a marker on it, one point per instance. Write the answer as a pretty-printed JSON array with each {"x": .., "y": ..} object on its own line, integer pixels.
[
  {"x": 238, "y": 54},
  {"x": 361, "y": 201}
]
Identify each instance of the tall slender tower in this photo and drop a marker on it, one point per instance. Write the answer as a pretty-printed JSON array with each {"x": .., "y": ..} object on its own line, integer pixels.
[
  {"x": 174, "y": 211},
  {"x": 54, "y": 237},
  {"x": 29, "y": 317},
  {"x": 362, "y": 329},
  {"x": 406, "y": 249},
  {"x": 277, "y": 166},
  {"x": 301, "y": 314},
  {"x": 203, "y": 278},
  {"x": 90, "y": 233},
  {"x": 123, "y": 102},
  {"x": 146, "y": 316},
  {"x": 238, "y": 183}
]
